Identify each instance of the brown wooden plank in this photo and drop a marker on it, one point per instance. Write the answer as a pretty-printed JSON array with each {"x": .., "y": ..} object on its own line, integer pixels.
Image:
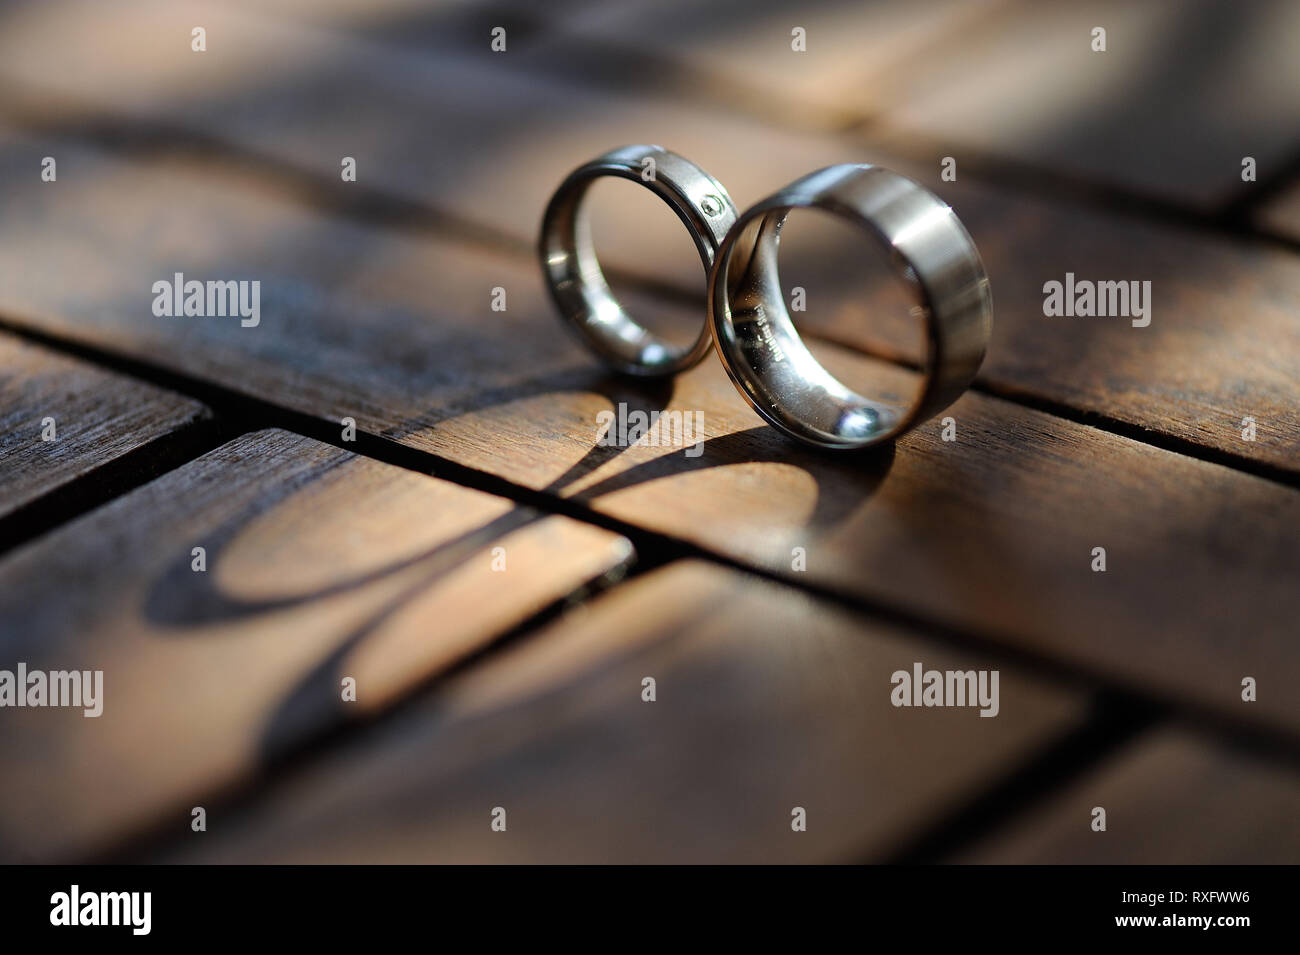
[
  {"x": 1155, "y": 114},
  {"x": 1282, "y": 215},
  {"x": 740, "y": 53},
  {"x": 458, "y": 26},
  {"x": 485, "y": 140},
  {"x": 993, "y": 532},
  {"x": 1171, "y": 798},
  {"x": 97, "y": 417},
  {"x": 319, "y": 565},
  {"x": 765, "y": 700},
  {"x": 1181, "y": 95},
  {"x": 1221, "y": 344}
]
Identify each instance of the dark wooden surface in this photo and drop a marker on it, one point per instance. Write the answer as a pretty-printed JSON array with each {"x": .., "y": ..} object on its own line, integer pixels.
[
  {"x": 61, "y": 419},
  {"x": 476, "y": 429},
  {"x": 319, "y": 566},
  {"x": 1170, "y": 795},
  {"x": 1283, "y": 214},
  {"x": 765, "y": 701}
]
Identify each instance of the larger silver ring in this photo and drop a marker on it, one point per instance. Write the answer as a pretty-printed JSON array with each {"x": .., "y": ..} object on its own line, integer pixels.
[
  {"x": 764, "y": 355},
  {"x": 573, "y": 273}
]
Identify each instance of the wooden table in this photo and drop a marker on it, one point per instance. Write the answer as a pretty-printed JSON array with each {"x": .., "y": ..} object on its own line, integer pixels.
[{"x": 433, "y": 620}]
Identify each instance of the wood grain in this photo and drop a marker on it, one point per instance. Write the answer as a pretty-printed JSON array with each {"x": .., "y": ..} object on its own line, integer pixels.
[
  {"x": 1282, "y": 215},
  {"x": 765, "y": 700},
  {"x": 1222, "y": 343},
  {"x": 1154, "y": 115},
  {"x": 456, "y": 26},
  {"x": 319, "y": 566},
  {"x": 739, "y": 54},
  {"x": 98, "y": 417},
  {"x": 481, "y": 140},
  {"x": 992, "y": 533},
  {"x": 325, "y": 565},
  {"x": 1181, "y": 95},
  {"x": 675, "y": 45},
  {"x": 478, "y": 143},
  {"x": 1171, "y": 798}
]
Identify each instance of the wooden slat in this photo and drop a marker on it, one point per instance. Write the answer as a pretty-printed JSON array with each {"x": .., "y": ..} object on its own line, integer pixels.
[
  {"x": 482, "y": 138},
  {"x": 740, "y": 52},
  {"x": 1222, "y": 343},
  {"x": 1181, "y": 95},
  {"x": 993, "y": 532},
  {"x": 97, "y": 417},
  {"x": 1171, "y": 798},
  {"x": 458, "y": 26},
  {"x": 1282, "y": 215},
  {"x": 721, "y": 42},
  {"x": 485, "y": 141},
  {"x": 1016, "y": 80},
  {"x": 320, "y": 565},
  {"x": 765, "y": 700}
]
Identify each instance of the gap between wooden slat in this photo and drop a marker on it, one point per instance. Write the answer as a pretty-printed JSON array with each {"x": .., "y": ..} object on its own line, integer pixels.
[
  {"x": 1092, "y": 419},
  {"x": 653, "y": 548},
  {"x": 1119, "y": 716},
  {"x": 376, "y": 207},
  {"x": 1232, "y": 218},
  {"x": 1114, "y": 721},
  {"x": 139, "y": 844},
  {"x": 112, "y": 479}
]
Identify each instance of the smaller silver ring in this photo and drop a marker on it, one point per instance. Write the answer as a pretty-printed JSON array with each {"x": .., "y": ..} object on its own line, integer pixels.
[
  {"x": 763, "y": 353},
  {"x": 573, "y": 272}
]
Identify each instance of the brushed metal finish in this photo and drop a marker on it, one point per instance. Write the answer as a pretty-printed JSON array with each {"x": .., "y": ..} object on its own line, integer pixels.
[
  {"x": 763, "y": 353},
  {"x": 573, "y": 272}
]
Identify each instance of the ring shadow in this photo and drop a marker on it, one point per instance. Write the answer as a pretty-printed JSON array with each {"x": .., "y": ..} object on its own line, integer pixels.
[{"x": 308, "y": 711}]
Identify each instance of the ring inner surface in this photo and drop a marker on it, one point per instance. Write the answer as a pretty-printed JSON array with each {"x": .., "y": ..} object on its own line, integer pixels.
[
  {"x": 783, "y": 375},
  {"x": 603, "y": 316}
]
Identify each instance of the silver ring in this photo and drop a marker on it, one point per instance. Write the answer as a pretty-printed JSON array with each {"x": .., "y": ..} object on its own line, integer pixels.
[
  {"x": 764, "y": 355},
  {"x": 573, "y": 273}
]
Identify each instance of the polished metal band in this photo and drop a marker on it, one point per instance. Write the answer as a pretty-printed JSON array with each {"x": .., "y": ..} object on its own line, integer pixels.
[
  {"x": 762, "y": 351},
  {"x": 573, "y": 272}
]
